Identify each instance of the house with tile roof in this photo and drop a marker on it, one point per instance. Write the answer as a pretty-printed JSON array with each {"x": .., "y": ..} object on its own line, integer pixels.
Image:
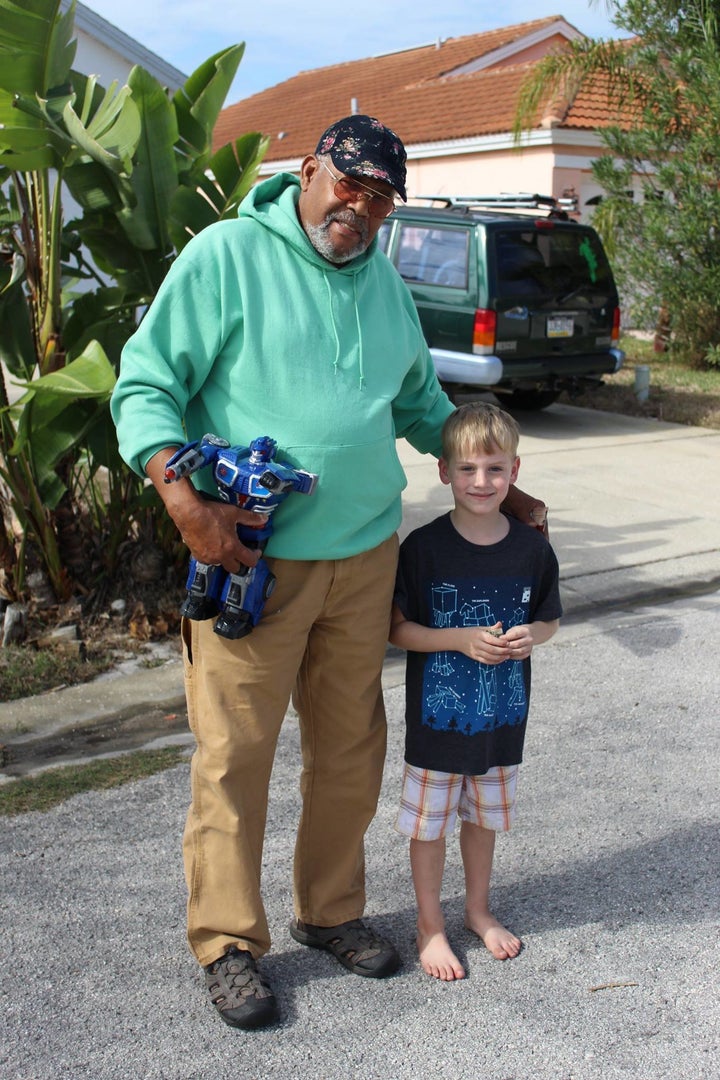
[{"x": 453, "y": 103}]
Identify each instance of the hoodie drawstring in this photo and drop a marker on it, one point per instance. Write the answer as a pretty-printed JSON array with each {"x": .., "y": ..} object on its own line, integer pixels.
[
  {"x": 332, "y": 323},
  {"x": 359, "y": 333},
  {"x": 358, "y": 326}
]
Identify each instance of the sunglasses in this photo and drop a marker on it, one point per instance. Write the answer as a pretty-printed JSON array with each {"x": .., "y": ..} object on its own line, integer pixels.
[{"x": 348, "y": 191}]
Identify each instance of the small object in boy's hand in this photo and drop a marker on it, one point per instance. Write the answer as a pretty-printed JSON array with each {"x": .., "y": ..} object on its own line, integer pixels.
[{"x": 496, "y": 631}]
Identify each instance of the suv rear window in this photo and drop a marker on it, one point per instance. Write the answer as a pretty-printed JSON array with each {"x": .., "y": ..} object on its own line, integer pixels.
[{"x": 562, "y": 262}]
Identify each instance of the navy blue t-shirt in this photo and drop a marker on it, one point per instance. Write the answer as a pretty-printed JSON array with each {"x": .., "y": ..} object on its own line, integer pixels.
[{"x": 463, "y": 716}]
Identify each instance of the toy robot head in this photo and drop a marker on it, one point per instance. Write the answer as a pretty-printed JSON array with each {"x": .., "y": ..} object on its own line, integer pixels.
[{"x": 262, "y": 449}]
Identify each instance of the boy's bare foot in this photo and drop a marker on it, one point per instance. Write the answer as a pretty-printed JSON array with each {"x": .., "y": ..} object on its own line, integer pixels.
[
  {"x": 497, "y": 938},
  {"x": 437, "y": 958}
]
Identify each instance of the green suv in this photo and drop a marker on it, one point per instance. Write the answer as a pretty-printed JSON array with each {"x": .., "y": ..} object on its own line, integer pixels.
[{"x": 513, "y": 295}]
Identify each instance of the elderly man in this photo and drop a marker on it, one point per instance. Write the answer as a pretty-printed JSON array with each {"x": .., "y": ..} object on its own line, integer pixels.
[{"x": 289, "y": 322}]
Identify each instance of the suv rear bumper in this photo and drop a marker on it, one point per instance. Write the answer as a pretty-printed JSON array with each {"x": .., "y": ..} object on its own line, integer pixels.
[
  {"x": 457, "y": 367},
  {"x": 472, "y": 370}
]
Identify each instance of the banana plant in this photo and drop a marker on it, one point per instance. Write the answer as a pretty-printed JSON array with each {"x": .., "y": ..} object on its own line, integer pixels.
[
  {"x": 139, "y": 165},
  {"x": 45, "y": 126}
]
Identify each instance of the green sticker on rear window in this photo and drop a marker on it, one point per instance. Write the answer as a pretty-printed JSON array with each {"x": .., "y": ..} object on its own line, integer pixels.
[{"x": 590, "y": 258}]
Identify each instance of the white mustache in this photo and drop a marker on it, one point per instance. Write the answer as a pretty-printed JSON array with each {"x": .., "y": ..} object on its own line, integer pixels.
[{"x": 349, "y": 217}]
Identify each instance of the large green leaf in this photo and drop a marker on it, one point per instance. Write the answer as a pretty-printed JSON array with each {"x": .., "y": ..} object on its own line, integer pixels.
[
  {"x": 154, "y": 178},
  {"x": 57, "y": 411},
  {"x": 30, "y": 160},
  {"x": 95, "y": 189},
  {"x": 36, "y": 45},
  {"x": 17, "y": 350},
  {"x": 36, "y": 53},
  {"x": 90, "y": 375},
  {"x": 199, "y": 101},
  {"x": 104, "y": 316},
  {"x": 109, "y": 134},
  {"x": 103, "y": 125},
  {"x": 114, "y": 253},
  {"x": 58, "y": 428},
  {"x": 233, "y": 170}
]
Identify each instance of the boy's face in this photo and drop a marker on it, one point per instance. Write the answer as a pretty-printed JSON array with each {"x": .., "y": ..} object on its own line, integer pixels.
[{"x": 479, "y": 480}]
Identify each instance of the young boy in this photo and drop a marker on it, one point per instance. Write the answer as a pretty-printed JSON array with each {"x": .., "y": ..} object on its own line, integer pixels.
[{"x": 476, "y": 591}]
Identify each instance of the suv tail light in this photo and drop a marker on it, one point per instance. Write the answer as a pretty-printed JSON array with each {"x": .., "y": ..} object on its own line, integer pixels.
[
  {"x": 615, "y": 332},
  {"x": 484, "y": 332}
]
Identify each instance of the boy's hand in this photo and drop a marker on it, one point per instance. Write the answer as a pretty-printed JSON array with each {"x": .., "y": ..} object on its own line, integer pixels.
[
  {"x": 520, "y": 641},
  {"x": 486, "y": 644}
]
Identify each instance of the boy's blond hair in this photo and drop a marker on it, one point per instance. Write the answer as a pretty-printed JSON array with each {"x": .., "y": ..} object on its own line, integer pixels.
[{"x": 479, "y": 425}]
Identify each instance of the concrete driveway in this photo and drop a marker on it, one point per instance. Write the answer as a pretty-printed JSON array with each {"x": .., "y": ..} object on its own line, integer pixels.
[{"x": 611, "y": 875}]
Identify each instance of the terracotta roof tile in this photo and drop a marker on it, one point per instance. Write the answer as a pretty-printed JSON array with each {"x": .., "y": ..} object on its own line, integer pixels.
[
  {"x": 413, "y": 91},
  {"x": 593, "y": 107}
]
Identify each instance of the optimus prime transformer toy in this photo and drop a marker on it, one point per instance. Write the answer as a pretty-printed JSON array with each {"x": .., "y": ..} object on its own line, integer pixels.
[{"x": 246, "y": 476}]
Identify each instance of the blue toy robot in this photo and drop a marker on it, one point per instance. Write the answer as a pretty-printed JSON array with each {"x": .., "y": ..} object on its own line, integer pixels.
[{"x": 249, "y": 477}]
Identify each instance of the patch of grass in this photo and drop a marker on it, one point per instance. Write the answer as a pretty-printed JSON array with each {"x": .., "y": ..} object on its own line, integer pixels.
[
  {"x": 678, "y": 394},
  {"x": 50, "y": 788},
  {"x": 25, "y": 671}
]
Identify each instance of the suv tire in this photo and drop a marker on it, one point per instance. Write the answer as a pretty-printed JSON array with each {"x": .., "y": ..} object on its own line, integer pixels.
[{"x": 530, "y": 400}]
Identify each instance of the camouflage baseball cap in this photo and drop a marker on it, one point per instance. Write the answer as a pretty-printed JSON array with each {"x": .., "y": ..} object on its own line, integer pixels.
[{"x": 362, "y": 146}]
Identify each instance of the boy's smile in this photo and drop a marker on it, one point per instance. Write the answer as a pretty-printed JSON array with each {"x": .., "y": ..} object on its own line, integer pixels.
[{"x": 479, "y": 480}]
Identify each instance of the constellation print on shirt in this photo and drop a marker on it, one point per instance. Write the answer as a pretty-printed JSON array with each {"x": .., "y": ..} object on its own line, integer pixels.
[
  {"x": 444, "y": 609},
  {"x": 480, "y": 614},
  {"x": 487, "y": 696}
]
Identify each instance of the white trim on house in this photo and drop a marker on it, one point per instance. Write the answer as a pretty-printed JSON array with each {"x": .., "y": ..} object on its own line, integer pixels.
[
  {"x": 483, "y": 144},
  {"x": 506, "y": 52},
  {"x": 504, "y": 140},
  {"x": 92, "y": 24}
]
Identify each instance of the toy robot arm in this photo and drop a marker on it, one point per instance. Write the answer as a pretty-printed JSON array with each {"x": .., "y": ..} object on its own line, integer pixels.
[
  {"x": 306, "y": 482},
  {"x": 290, "y": 480},
  {"x": 193, "y": 456}
]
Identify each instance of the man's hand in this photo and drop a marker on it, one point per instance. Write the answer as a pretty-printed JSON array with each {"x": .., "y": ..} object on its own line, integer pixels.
[
  {"x": 526, "y": 508},
  {"x": 208, "y": 528}
]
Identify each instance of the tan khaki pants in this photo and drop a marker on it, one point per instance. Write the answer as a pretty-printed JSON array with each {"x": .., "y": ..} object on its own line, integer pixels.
[{"x": 322, "y": 639}]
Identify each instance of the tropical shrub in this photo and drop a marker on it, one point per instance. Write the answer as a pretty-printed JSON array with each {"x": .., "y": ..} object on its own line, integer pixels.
[{"x": 140, "y": 168}]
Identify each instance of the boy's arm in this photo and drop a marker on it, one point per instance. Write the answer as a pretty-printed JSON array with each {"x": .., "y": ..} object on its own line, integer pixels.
[
  {"x": 474, "y": 641},
  {"x": 479, "y": 644}
]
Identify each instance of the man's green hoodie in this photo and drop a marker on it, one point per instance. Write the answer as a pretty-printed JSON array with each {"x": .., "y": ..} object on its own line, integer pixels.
[{"x": 254, "y": 333}]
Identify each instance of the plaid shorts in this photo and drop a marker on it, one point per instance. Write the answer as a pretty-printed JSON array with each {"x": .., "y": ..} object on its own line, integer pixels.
[{"x": 431, "y": 800}]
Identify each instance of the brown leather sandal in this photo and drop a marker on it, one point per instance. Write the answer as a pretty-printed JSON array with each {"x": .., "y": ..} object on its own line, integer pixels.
[{"x": 354, "y": 945}]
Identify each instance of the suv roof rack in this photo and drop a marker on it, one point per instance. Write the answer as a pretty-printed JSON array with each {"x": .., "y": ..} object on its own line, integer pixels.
[{"x": 506, "y": 201}]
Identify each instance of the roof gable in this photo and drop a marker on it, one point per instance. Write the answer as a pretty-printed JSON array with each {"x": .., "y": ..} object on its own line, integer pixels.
[{"x": 553, "y": 31}]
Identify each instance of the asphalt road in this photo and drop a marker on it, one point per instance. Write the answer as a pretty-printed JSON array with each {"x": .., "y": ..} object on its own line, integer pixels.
[{"x": 611, "y": 874}]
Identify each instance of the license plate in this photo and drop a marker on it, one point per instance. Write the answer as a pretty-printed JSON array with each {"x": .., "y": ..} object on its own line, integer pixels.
[{"x": 560, "y": 326}]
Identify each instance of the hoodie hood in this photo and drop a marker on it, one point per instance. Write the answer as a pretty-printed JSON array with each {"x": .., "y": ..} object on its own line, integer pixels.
[{"x": 273, "y": 204}]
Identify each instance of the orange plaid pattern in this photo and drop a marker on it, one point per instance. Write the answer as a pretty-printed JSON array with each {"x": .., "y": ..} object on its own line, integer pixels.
[{"x": 430, "y": 801}]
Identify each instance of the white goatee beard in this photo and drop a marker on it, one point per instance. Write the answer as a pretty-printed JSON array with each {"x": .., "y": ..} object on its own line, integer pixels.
[{"x": 319, "y": 237}]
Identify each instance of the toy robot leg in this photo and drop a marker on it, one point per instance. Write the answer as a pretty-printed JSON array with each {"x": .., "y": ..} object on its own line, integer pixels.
[
  {"x": 243, "y": 600},
  {"x": 204, "y": 586}
]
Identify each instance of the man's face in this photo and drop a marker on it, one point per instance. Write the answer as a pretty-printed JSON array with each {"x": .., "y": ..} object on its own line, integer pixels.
[{"x": 339, "y": 231}]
